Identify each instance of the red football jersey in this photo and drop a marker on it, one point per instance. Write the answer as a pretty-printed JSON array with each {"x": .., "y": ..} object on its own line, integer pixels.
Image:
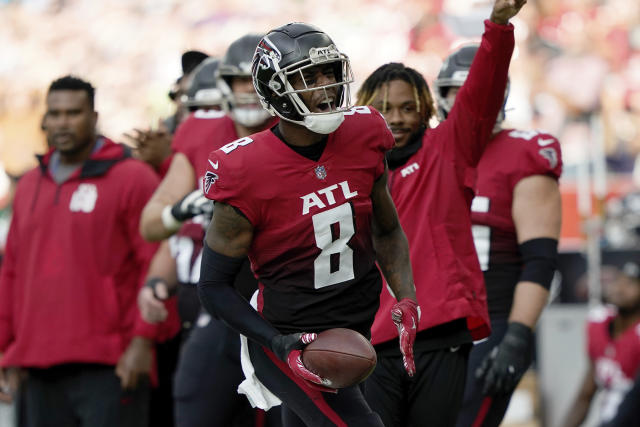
[
  {"x": 199, "y": 134},
  {"x": 510, "y": 156},
  {"x": 202, "y": 132},
  {"x": 312, "y": 247},
  {"x": 615, "y": 361},
  {"x": 186, "y": 248}
]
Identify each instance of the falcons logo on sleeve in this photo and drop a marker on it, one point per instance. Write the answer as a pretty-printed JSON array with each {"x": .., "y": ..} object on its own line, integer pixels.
[
  {"x": 209, "y": 179},
  {"x": 550, "y": 154}
]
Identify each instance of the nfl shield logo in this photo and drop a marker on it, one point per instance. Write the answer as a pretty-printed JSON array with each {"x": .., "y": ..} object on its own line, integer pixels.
[{"x": 321, "y": 172}]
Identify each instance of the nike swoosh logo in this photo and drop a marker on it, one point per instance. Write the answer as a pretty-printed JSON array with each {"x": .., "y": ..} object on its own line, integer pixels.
[
  {"x": 213, "y": 165},
  {"x": 542, "y": 141}
]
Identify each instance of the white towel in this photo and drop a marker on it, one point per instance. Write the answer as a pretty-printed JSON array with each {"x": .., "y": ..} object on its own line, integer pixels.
[{"x": 259, "y": 396}]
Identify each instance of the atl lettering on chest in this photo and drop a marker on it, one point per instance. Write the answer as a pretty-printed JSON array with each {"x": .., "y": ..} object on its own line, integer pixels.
[{"x": 326, "y": 197}]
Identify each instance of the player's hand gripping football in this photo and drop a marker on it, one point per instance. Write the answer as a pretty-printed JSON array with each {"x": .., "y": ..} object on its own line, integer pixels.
[
  {"x": 288, "y": 348},
  {"x": 191, "y": 205},
  {"x": 503, "y": 10},
  {"x": 503, "y": 367},
  {"x": 406, "y": 315}
]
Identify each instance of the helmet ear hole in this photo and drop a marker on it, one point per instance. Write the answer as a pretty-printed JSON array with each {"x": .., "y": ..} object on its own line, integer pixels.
[{"x": 285, "y": 106}]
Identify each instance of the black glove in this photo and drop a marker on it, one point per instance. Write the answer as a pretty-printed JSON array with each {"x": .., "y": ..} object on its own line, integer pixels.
[
  {"x": 502, "y": 368},
  {"x": 191, "y": 205},
  {"x": 282, "y": 345}
]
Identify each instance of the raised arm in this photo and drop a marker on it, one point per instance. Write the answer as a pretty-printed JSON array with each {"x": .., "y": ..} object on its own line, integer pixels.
[{"x": 476, "y": 108}]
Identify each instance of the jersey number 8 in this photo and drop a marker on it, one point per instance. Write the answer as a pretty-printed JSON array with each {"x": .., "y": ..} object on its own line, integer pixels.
[{"x": 322, "y": 226}]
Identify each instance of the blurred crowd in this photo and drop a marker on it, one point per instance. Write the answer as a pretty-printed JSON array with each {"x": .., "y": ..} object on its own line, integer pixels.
[{"x": 575, "y": 73}]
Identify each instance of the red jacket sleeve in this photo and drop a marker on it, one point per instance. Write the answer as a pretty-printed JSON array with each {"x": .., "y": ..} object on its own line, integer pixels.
[
  {"x": 474, "y": 113},
  {"x": 7, "y": 281},
  {"x": 134, "y": 201}
]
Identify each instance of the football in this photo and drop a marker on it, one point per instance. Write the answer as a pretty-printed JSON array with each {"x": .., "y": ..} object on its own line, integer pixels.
[{"x": 342, "y": 356}]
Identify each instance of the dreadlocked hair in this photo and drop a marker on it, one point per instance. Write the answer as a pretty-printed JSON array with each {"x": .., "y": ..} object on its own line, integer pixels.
[{"x": 397, "y": 71}]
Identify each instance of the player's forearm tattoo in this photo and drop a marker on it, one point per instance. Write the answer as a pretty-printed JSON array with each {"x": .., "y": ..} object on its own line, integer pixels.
[
  {"x": 393, "y": 258},
  {"x": 390, "y": 243}
]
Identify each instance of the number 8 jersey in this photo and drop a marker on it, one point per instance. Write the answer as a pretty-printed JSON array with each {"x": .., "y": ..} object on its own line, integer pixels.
[{"x": 312, "y": 248}]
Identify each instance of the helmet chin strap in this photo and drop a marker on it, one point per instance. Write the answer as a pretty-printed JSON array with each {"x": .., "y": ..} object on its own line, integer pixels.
[
  {"x": 324, "y": 123},
  {"x": 249, "y": 117}
]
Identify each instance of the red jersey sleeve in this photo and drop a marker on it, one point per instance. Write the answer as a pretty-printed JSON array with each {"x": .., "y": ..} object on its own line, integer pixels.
[
  {"x": 225, "y": 180},
  {"x": 143, "y": 182},
  {"x": 183, "y": 139},
  {"x": 7, "y": 282},
  {"x": 541, "y": 155}
]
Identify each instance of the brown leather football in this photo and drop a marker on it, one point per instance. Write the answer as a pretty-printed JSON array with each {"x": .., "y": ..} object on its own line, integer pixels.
[{"x": 342, "y": 356}]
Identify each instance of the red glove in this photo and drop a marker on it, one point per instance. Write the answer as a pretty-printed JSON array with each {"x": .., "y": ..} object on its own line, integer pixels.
[
  {"x": 312, "y": 380},
  {"x": 289, "y": 348},
  {"x": 406, "y": 315}
]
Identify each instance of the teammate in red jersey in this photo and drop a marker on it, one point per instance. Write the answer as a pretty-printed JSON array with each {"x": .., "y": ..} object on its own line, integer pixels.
[
  {"x": 179, "y": 197},
  {"x": 307, "y": 200},
  {"x": 613, "y": 338},
  {"x": 431, "y": 183},
  {"x": 516, "y": 217},
  {"x": 208, "y": 372}
]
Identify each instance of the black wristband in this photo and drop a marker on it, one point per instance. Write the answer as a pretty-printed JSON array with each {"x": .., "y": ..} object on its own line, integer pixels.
[
  {"x": 540, "y": 258},
  {"x": 152, "y": 282}
]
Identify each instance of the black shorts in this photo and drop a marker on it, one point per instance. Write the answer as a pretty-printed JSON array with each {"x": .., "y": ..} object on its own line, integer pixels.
[{"x": 302, "y": 406}]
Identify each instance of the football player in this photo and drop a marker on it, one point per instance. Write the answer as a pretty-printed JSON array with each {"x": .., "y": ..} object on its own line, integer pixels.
[
  {"x": 208, "y": 371},
  {"x": 307, "y": 201},
  {"x": 179, "y": 196},
  {"x": 431, "y": 182},
  {"x": 516, "y": 215},
  {"x": 613, "y": 339}
]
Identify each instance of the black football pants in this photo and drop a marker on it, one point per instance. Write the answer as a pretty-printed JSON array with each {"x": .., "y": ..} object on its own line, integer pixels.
[
  {"x": 78, "y": 395},
  {"x": 432, "y": 397},
  {"x": 207, "y": 379},
  {"x": 302, "y": 406},
  {"x": 478, "y": 409}
]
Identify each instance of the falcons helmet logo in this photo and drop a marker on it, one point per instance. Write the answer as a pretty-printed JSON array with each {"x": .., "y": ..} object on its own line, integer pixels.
[{"x": 209, "y": 179}]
